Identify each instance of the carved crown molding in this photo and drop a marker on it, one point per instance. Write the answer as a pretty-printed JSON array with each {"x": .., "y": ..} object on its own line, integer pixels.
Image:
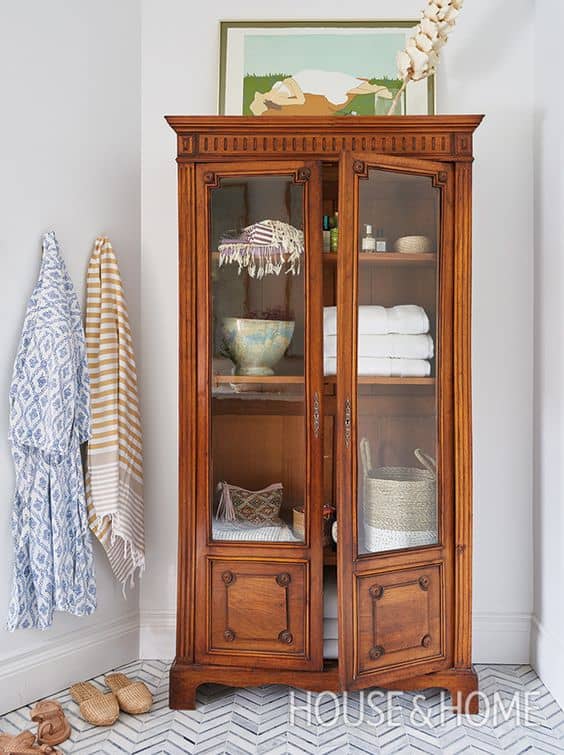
[{"x": 216, "y": 137}]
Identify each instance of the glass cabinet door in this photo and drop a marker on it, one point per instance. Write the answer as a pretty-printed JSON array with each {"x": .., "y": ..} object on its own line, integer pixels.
[
  {"x": 395, "y": 403},
  {"x": 398, "y": 236},
  {"x": 258, "y": 263}
]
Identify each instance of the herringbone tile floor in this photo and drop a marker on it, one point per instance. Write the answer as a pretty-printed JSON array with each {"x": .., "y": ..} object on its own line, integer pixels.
[{"x": 517, "y": 715}]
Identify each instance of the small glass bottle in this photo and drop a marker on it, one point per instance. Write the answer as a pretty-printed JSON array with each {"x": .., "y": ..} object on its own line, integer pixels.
[
  {"x": 334, "y": 233},
  {"x": 368, "y": 243},
  {"x": 326, "y": 234},
  {"x": 381, "y": 241}
]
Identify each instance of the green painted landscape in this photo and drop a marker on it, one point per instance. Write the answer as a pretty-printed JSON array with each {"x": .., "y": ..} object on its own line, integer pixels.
[{"x": 364, "y": 104}]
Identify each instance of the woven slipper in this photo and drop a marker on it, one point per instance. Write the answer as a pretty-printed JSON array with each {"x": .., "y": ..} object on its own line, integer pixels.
[
  {"x": 96, "y": 707},
  {"x": 133, "y": 697},
  {"x": 53, "y": 726},
  {"x": 24, "y": 744}
]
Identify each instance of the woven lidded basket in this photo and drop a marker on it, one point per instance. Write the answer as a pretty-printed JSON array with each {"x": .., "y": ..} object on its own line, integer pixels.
[
  {"x": 298, "y": 521},
  {"x": 400, "y": 498},
  {"x": 413, "y": 244},
  {"x": 298, "y": 525}
]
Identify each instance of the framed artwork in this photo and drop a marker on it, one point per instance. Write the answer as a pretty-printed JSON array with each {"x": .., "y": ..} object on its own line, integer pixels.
[{"x": 316, "y": 68}]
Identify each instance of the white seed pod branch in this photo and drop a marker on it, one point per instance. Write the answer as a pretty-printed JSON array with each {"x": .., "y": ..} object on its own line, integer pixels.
[{"x": 421, "y": 54}]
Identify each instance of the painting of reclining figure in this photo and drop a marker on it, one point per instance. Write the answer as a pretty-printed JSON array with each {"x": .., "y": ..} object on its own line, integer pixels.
[{"x": 316, "y": 68}]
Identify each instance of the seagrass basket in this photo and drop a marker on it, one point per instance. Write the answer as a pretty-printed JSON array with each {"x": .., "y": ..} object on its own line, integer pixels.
[
  {"x": 400, "y": 505},
  {"x": 413, "y": 244}
]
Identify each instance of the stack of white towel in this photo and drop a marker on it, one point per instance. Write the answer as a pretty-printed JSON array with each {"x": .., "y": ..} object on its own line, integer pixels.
[
  {"x": 330, "y": 621},
  {"x": 392, "y": 342}
]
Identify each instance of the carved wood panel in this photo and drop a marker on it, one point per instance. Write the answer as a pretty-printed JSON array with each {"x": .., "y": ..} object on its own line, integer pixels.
[
  {"x": 399, "y": 617},
  {"x": 257, "y": 607},
  {"x": 272, "y": 145}
]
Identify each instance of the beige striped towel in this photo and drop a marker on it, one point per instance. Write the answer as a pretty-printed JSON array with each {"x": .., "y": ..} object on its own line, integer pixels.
[{"x": 114, "y": 477}]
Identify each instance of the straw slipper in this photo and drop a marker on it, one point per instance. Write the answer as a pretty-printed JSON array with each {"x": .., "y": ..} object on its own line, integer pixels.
[
  {"x": 133, "y": 697},
  {"x": 24, "y": 744},
  {"x": 53, "y": 728},
  {"x": 96, "y": 707}
]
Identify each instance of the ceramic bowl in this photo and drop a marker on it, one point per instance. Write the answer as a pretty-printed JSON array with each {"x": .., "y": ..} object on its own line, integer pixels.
[{"x": 256, "y": 346}]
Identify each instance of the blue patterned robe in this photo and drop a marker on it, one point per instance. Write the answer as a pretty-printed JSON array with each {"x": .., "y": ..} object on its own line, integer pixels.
[{"x": 49, "y": 419}]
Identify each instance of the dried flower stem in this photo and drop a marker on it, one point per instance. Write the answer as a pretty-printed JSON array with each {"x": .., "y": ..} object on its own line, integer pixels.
[{"x": 397, "y": 97}]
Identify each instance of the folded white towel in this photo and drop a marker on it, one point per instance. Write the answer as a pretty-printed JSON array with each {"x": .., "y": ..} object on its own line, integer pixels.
[
  {"x": 330, "y": 629},
  {"x": 393, "y": 345},
  {"x": 330, "y": 649},
  {"x": 384, "y": 367},
  {"x": 409, "y": 319}
]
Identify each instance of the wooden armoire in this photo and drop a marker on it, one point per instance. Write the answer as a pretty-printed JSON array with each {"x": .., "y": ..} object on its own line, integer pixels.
[{"x": 354, "y": 389}]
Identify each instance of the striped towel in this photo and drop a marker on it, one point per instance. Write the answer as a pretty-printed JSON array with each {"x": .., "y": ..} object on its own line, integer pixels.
[{"x": 114, "y": 477}]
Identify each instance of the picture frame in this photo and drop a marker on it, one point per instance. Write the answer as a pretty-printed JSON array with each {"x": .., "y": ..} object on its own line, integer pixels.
[{"x": 316, "y": 68}]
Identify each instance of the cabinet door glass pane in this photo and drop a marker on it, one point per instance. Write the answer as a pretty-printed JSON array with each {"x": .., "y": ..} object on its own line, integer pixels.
[
  {"x": 258, "y": 448},
  {"x": 398, "y": 239}
]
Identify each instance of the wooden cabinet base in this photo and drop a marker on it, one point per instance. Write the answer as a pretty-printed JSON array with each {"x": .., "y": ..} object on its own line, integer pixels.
[{"x": 462, "y": 684}]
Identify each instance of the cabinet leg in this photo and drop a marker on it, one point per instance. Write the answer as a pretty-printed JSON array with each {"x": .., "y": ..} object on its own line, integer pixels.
[
  {"x": 182, "y": 689},
  {"x": 184, "y": 699},
  {"x": 464, "y": 693}
]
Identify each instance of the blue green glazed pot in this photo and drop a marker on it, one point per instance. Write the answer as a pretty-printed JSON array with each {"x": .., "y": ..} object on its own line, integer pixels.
[{"x": 256, "y": 346}]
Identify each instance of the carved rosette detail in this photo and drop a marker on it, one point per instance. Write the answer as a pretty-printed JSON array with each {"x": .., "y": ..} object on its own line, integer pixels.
[
  {"x": 286, "y": 637},
  {"x": 424, "y": 583},
  {"x": 376, "y": 591},
  {"x": 376, "y": 652},
  {"x": 209, "y": 177},
  {"x": 227, "y": 577},
  {"x": 426, "y": 641},
  {"x": 283, "y": 579},
  {"x": 303, "y": 175},
  {"x": 229, "y": 635},
  {"x": 359, "y": 166}
]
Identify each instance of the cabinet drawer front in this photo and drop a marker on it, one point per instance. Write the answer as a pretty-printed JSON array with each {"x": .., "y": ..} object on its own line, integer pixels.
[
  {"x": 399, "y": 617},
  {"x": 257, "y": 607}
]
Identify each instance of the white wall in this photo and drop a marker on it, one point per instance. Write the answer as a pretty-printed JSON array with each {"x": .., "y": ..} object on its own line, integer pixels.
[
  {"x": 547, "y": 648},
  {"x": 487, "y": 67},
  {"x": 70, "y": 161}
]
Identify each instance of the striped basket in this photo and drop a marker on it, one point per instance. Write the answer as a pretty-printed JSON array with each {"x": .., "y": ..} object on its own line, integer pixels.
[{"x": 400, "y": 503}]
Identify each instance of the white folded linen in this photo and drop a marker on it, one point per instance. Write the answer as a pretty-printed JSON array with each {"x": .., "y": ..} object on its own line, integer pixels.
[
  {"x": 222, "y": 530},
  {"x": 393, "y": 345},
  {"x": 408, "y": 319},
  {"x": 384, "y": 367},
  {"x": 330, "y": 649},
  {"x": 330, "y": 629}
]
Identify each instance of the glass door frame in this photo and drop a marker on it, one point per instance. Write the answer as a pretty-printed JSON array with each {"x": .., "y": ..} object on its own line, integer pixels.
[
  {"x": 310, "y": 552},
  {"x": 353, "y": 168}
]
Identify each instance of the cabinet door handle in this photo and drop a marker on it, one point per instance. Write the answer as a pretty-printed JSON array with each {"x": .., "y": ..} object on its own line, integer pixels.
[
  {"x": 348, "y": 423},
  {"x": 316, "y": 418}
]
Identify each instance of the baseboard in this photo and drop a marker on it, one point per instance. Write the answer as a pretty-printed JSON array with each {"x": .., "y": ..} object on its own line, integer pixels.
[
  {"x": 74, "y": 656},
  {"x": 498, "y": 637},
  {"x": 547, "y": 658},
  {"x": 157, "y": 635},
  {"x": 501, "y": 637}
]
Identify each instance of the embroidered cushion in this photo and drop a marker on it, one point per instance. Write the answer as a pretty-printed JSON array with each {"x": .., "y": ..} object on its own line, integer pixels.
[{"x": 252, "y": 506}]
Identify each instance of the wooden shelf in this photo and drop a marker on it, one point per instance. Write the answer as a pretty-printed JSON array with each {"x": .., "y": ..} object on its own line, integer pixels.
[
  {"x": 380, "y": 380},
  {"x": 388, "y": 258},
  {"x": 258, "y": 379},
  {"x": 377, "y": 258}
]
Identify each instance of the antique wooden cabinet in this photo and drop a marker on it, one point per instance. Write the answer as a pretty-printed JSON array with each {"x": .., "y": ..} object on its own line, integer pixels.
[{"x": 297, "y": 379}]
